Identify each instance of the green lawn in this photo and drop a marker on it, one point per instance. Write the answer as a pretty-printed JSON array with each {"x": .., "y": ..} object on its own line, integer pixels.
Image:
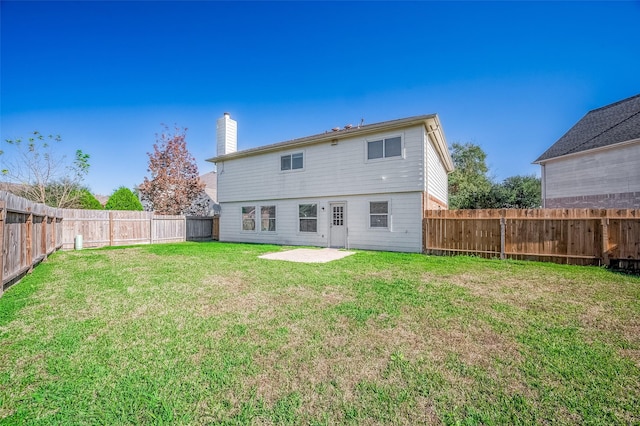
[{"x": 207, "y": 333}]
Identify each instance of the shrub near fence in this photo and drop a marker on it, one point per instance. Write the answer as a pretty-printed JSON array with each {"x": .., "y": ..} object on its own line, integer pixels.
[{"x": 575, "y": 236}]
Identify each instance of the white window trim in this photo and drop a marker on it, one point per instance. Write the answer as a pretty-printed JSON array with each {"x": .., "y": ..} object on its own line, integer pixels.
[
  {"x": 379, "y": 228},
  {"x": 304, "y": 161},
  {"x": 382, "y": 137},
  {"x": 257, "y": 229},
  {"x": 317, "y": 219}
]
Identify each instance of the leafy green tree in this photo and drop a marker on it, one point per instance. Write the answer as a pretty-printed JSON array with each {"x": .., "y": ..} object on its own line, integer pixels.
[
  {"x": 123, "y": 199},
  {"x": 469, "y": 185},
  {"x": 88, "y": 201},
  {"x": 521, "y": 192},
  {"x": 39, "y": 173}
]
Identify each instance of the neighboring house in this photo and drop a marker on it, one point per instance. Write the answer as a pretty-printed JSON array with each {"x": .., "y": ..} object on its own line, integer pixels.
[
  {"x": 207, "y": 203},
  {"x": 359, "y": 187},
  {"x": 14, "y": 188},
  {"x": 102, "y": 199},
  {"x": 596, "y": 164}
]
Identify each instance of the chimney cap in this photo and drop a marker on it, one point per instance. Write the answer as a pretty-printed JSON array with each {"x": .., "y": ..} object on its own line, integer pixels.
[{"x": 226, "y": 114}]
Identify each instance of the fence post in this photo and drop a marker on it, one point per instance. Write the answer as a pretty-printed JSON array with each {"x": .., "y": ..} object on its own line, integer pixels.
[
  {"x": 54, "y": 232},
  {"x": 29, "y": 243},
  {"x": 605, "y": 241},
  {"x": 43, "y": 236},
  {"x": 503, "y": 226},
  {"x": 3, "y": 215},
  {"x": 424, "y": 234},
  {"x": 111, "y": 230},
  {"x": 151, "y": 228}
]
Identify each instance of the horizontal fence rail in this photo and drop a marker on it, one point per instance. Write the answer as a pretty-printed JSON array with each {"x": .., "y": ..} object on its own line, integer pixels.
[
  {"x": 29, "y": 232},
  {"x": 100, "y": 228},
  {"x": 574, "y": 236}
]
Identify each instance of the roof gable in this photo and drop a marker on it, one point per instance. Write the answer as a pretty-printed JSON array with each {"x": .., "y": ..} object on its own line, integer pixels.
[{"x": 609, "y": 125}]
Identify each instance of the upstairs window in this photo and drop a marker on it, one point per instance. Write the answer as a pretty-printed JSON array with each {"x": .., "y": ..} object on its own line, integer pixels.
[
  {"x": 291, "y": 161},
  {"x": 379, "y": 214},
  {"x": 384, "y": 148}
]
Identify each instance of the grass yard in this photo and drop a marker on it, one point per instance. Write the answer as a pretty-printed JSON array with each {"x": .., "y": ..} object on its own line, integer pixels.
[{"x": 207, "y": 333}]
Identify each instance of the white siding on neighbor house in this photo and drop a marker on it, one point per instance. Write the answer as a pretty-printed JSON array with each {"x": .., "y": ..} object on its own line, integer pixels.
[
  {"x": 437, "y": 178},
  {"x": 606, "y": 171},
  {"x": 404, "y": 232},
  {"x": 329, "y": 170}
]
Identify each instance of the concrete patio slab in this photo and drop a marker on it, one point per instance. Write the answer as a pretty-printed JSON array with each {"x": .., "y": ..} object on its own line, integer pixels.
[{"x": 308, "y": 255}]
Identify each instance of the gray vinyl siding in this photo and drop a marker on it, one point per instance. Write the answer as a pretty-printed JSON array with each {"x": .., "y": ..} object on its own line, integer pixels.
[
  {"x": 404, "y": 233},
  {"x": 329, "y": 170},
  {"x": 606, "y": 171}
]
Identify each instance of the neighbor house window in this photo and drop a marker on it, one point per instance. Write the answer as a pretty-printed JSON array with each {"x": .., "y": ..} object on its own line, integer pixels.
[
  {"x": 308, "y": 217},
  {"x": 291, "y": 161},
  {"x": 379, "y": 214},
  {"x": 249, "y": 218},
  {"x": 384, "y": 148},
  {"x": 268, "y": 218}
]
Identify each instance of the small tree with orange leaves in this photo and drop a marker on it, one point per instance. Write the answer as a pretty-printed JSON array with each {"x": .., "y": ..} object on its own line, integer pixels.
[{"x": 174, "y": 182}]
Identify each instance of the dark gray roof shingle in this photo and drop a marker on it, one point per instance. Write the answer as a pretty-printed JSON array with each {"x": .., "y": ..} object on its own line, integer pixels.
[{"x": 611, "y": 124}]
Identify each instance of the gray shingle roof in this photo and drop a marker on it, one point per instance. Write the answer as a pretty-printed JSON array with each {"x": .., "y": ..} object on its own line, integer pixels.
[{"x": 611, "y": 124}]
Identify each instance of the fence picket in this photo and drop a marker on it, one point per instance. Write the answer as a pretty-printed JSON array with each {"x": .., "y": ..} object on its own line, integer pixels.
[
  {"x": 575, "y": 236},
  {"x": 29, "y": 232}
]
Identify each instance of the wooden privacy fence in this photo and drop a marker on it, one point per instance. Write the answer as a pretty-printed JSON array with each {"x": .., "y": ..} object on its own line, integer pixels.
[
  {"x": 574, "y": 236},
  {"x": 100, "y": 228},
  {"x": 202, "y": 228},
  {"x": 29, "y": 231}
]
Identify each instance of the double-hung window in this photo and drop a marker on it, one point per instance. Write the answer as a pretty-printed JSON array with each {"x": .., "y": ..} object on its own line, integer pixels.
[
  {"x": 379, "y": 214},
  {"x": 265, "y": 222},
  {"x": 384, "y": 148},
  {"x": 292, "y": 161},
  {"x": 308, "y": 217},
  {"x": 268, "y": 218},
  {"x": 249, "y": 218}
]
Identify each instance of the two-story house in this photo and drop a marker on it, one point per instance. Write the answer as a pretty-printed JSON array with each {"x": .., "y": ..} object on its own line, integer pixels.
[{"x": 358, "y": 187}]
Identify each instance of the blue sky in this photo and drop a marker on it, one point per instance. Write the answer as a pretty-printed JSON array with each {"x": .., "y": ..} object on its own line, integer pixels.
[{"x": 512, "y": 77}]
